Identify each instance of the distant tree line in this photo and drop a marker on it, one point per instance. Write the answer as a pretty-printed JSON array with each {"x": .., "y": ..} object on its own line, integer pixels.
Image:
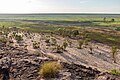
[{"x": 105, "y": 20}]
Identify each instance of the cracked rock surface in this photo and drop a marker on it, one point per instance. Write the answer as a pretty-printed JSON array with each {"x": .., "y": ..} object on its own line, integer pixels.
[{"x": 19, "y": 64}]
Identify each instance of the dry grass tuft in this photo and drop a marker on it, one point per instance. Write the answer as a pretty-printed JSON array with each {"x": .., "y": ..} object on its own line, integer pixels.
[{"x": 49, "y": 69}]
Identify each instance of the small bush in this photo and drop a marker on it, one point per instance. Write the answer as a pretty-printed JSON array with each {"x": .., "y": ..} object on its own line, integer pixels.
[
  {"x": 64, "y": 45},
  {"x": 69, "y": 42},
  {"x": 49, "y": 69},
  {"x": 80, "y": 43},
  {"x": 115, "y": 72},
  {"x": 18, "y": 38},
  {"x": 112, "y": 20},
  {"x": 75, "y": 32},
  {"x": 58, "y": 49},
  {"x": 114, "y": 51},
  {"x": 36, "y": 45},
  {"x": 86, "y": 41},
  {"x": 53, "y": 41}
]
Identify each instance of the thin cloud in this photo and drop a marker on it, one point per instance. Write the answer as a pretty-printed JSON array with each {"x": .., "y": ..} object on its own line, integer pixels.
[
  {"x": 38, "y": 6},
  {"x": 81, "y": 2}
]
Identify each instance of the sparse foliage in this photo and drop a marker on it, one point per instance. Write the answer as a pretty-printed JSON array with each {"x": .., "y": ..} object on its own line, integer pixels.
[
  {"x": 114, "y": 51},
  {"x": 36, "y": 45},
  {"x": 75, "y": 32},
  {"x": 115, "y": 72},
  {"x": 53, "y": 41},
  {"x": 86, "y": 41},
  {"x": 104, "y": 19},
  {"x": 58, "y": 49},
  {"x": 18, "y": 38},
  {"x": 69, "y": 42},
  {"x": 91, "y": 49},
  {"x": 64, "y": 45},
  {"x": 49, "y": 69},
  {"x": 80, "y": 43}
]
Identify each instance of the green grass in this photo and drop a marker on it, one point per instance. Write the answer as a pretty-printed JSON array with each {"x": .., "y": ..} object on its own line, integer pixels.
[
  {"x": 107, "y": 23},
  {"x": 35, "y": 26},
  {"x": 7, "y": 24},
  {"x": 104, "y": 38},
  {"x": 115, "y": 72}
]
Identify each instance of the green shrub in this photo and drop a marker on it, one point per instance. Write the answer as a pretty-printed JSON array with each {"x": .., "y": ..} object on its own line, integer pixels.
[
  {"x": 49, "y": 69},
  {"x": 91, "y": 49},
  {"x": 18, "y": 38},
  {"x": 36, "y": 45},
  {"x": 115, "y": 72},
  {"x": 53, "y": 41},
  {"x": 64, "y": 45},
  {"x": 80, "y": 43},
  {"x": 67, "y": 32},
  {"x": 69, "y": 42},
  {"x": 75, "y": 32},
  {"x": 86, "y": 35},
  {"x": 86, "y": 41},
  {"x": 112, "y": 20},
  {"x": 58, "y": 48},
  {"x": 114, "y": 51}
]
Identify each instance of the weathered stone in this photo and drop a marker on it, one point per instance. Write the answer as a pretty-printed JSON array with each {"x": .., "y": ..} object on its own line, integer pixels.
[
  {"x": 5, "y": 62},
  {"x": 25, "y": 66}
]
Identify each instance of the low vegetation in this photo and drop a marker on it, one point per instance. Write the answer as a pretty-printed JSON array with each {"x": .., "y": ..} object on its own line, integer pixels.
[
  {"x": 115, "y": 72},
  {"x": 114, "y": 52},
  {"x": 64, "y": 45},
  {"x": 50, "y": 69},
  {"x": 18, "y": 38},
  {"x": 36, "y": 45},
  {"x": 80, "y": 43}
]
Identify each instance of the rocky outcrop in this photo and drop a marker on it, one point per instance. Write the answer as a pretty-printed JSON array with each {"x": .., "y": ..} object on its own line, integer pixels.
[
  {"x": 80, "y": 72},
  {"x": 107, "y": 76},
  {"x": 18, "y": 64},
  {"x": 5, "y": 64}
]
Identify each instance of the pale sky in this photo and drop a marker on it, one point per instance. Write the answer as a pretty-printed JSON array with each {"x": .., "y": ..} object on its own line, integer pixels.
[{"x": 59, "y": 6}]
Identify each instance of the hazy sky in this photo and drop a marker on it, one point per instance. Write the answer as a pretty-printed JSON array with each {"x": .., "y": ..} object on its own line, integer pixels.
[{"x": 53, "y": 6}]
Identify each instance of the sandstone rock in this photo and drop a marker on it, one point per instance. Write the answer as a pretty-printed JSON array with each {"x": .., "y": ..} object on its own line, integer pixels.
[
  {"x": 5, "y": 63},
  {"x": 107, "y": 76}
]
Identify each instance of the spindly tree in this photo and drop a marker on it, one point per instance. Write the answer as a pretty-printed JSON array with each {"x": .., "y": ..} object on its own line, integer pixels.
[
  {"x": 104, "y": 19},
  {"x": 65, "y": 44},
  {"x": 75, "y": 32},
  {"x": 53, "y": 41},
  {"x": 80, "y": 43},
  {"x": 86, "y": 41},
  {"x": 114, "y": 51},
  {"x": 69, "y": 42}
]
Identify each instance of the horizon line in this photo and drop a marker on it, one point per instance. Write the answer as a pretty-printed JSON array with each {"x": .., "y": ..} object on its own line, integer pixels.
[{"x": 104, "y": 13}]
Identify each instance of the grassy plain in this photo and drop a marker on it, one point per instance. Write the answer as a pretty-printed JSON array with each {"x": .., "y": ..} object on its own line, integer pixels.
[{"x": 98, "y": 29}]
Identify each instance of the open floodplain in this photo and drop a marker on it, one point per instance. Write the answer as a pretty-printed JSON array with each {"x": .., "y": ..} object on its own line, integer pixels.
[{"x": 60, "y": 46}]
